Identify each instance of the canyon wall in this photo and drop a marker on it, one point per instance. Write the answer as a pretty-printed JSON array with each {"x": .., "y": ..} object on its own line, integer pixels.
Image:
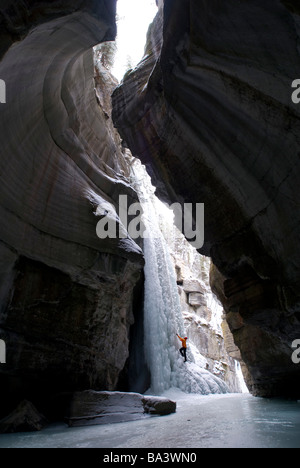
[
  {"x": 209, "y": 112},
  {"x": 66, "y": 296},
  {"x": 205, "y": 327}
]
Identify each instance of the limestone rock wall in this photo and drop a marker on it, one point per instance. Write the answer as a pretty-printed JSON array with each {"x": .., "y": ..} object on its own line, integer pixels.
[
  {"x": 209, "y": 112},
  {"x": 65, "y": 295},
  {"x": 202, "y": 313}
]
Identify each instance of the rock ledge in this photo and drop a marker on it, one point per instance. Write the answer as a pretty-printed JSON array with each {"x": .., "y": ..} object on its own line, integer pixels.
[{"x": 91, "y": 408}]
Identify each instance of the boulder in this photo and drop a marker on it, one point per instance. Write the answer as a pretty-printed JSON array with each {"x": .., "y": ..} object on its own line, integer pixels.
[
  {"x": 158, "y": 405},
  {"x": 197, "y": 300},
  {"x": 25, "y": 418},
  {"x": 89, "y": 408}
]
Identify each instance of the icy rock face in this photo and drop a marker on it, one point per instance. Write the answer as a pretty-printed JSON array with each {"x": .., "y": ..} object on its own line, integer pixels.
[
  {"x": 163, "y": 317},
  {"x": 202, "y": 313},
  {"x": 210, "y": 114},
  {"x": 65, "y": 295}
]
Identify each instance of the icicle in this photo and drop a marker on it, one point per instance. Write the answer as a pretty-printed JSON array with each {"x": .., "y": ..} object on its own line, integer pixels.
[
  {"x": 238, "y": 371},
  {"x": 162, "y": 311}
]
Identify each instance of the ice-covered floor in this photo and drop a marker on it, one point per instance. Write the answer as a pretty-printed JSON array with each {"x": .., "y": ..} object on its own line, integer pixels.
[{"x": 232, "y": 420}]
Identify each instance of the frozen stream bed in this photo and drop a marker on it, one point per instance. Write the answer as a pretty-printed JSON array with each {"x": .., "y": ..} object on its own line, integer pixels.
[{"x": 213, "y": 421}]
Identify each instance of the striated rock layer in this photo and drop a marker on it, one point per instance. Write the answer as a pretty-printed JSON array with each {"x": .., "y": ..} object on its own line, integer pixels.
[
  {"x": 65, "y": 295},
  {"x": 209, "y": 112}
]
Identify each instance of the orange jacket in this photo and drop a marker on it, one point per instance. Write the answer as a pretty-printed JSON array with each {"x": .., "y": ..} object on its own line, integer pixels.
[{"x": 183, "y": 341}]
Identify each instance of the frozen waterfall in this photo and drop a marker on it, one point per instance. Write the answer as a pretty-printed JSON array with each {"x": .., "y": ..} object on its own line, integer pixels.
[
  {"x": 162, "y": 311},
  {"x": 239, "y": 373}
]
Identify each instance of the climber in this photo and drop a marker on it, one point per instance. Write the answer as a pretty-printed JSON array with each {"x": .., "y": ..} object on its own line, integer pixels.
[{"x": 183, "y": 349}]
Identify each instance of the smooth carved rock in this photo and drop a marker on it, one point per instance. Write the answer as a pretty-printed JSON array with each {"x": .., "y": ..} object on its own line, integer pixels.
[
  {"x": 66, "y": 296},
  {"x": 209, "y": 112},
  {"x": 90, "y": 408}
]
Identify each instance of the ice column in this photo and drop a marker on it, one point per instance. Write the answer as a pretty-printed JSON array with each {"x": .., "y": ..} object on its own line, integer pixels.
[
  {"x": 239, "y": 373},
  {"x": 162, "y": 311}
]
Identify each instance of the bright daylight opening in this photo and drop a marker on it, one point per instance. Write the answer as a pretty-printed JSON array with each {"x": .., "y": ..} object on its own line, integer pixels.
[{"x": 133, "y": 20}]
